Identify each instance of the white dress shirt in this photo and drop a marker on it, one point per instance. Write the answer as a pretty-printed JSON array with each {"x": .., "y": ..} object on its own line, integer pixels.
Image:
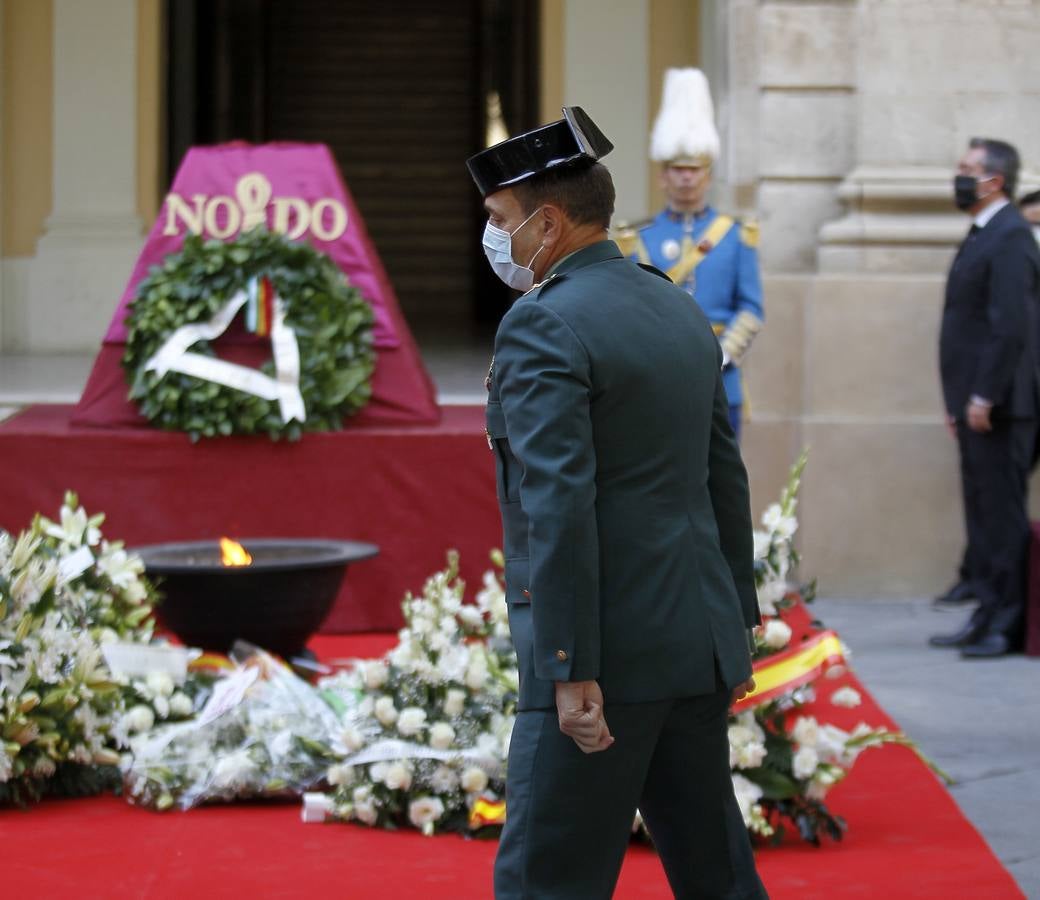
[{"x": 982, "y": 219}]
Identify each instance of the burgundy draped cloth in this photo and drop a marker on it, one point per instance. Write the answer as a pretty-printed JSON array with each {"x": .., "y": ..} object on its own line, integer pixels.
[{"x": 297, "y": 188}]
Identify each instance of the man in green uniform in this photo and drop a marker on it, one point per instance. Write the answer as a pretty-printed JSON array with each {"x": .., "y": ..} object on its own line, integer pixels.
[{"x": 627, "y": 536}]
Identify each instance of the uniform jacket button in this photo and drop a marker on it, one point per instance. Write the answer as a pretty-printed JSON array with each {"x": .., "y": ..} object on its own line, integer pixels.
[
  {"x": 561, "y": 655},
  {"x": 526, "y": 592}
]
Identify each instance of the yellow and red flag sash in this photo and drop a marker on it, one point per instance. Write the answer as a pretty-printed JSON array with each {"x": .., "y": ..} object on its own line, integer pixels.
[
  {"x": 486, "y": 811},
  {"x": 793, "y": 667}
]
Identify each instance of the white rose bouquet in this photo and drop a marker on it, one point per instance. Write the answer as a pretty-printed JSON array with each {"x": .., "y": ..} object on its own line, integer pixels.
[{"x": 426, "y": 728}]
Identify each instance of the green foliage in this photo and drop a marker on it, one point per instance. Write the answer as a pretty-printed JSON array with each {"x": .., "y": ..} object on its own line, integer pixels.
[
  {"x": 68, "y": 780},
  {"x": 332, "y": 321}
]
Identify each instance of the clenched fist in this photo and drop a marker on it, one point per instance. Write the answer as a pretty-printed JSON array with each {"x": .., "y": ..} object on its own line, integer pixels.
[{"x": 579, "y": 705}]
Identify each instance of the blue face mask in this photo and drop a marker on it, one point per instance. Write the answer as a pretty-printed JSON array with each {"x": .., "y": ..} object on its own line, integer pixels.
[{"x": 498, "y": 248}]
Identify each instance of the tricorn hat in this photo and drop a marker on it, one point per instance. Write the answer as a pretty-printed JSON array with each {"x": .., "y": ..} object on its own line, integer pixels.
[
  {"x": 574, "y": 137},
  {"x": 684, "y": 132}
]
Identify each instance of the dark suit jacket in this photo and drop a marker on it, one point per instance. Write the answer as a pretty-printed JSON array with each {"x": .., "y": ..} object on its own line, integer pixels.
[
  {"x": 988, "y": 345},
  {"x": 624, "y": 500}
]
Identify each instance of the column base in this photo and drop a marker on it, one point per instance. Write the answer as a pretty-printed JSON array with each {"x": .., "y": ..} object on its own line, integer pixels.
[{"x": 900, "y": 220}]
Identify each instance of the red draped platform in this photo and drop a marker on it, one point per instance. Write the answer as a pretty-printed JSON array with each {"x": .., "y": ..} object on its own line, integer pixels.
[
  {"x": 415, "y": 490},
  {"x": 906, "y": 839},
  {"x": 245, "y": 185}
]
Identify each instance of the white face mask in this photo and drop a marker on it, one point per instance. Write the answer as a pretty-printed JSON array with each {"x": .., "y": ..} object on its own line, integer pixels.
[{"x": 498, "y": 248}]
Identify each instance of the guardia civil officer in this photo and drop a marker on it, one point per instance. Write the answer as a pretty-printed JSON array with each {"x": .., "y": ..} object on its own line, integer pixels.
[
  {"x": 714, "y": 257},
  {"x": 627, "y": 535}
]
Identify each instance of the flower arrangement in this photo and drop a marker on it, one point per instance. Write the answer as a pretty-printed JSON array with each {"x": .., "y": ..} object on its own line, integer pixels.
[
  {"x": 260, "y": 732},
  {"x": 65, "y": 593},
  {"x": 784, "y": 762},
  {"x": 426, "y": 728},
  {"x": 418, "y": 738}
]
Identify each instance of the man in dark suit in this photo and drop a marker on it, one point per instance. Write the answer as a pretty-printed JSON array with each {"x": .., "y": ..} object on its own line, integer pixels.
[
  {"x": 988, "y": 359},
  {"x": 628, "y": 541}
]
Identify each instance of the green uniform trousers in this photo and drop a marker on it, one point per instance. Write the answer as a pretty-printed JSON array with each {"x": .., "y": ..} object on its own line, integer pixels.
[{"x": 569, "y": 814}]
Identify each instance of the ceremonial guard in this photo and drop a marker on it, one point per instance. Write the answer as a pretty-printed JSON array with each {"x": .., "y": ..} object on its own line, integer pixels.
[{"x": 712, "y": 256}]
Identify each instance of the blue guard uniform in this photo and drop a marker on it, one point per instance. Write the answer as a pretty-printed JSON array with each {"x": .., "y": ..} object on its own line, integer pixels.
[{"x": 715, "y": 259}]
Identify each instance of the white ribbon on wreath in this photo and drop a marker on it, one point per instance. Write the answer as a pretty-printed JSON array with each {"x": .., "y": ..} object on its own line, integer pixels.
[{"x": 173, "y": 356}]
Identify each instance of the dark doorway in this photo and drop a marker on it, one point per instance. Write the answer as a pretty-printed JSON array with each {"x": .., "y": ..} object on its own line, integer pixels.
[{"x": 401, "y": 92}]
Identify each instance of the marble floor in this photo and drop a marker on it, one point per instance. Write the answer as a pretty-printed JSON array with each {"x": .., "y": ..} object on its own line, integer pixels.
[
  {"x": 26, "y": 379},
  {"x": 978, "y": 719}
]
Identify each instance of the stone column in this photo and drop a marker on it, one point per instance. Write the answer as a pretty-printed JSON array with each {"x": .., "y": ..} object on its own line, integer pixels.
[
  {"x": 93, "y": 234},
  {"x": 931, "y": 75},
  {"x": 881, "y": 501}
]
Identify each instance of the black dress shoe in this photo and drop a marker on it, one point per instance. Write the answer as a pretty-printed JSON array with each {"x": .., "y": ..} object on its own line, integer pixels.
[
  {"x": 967, "y": 635},
  {"x": 956, "y": 597},
  {"x": 987, "y": 647}
]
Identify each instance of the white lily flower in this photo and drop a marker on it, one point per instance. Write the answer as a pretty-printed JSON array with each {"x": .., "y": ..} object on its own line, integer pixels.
[{"x": 805, "y": 762}]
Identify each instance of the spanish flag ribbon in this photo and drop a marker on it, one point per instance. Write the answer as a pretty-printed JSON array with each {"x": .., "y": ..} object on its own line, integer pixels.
[
  {"x": 211, "y": 662},
  {"x": 486, "y": 811},
  {"x": 793, "y": 667},
  {"x": 259, "y": 306}
]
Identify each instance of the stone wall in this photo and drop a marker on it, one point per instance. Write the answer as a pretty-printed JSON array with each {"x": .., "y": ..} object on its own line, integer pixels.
[{"x": 851, "y": 118}]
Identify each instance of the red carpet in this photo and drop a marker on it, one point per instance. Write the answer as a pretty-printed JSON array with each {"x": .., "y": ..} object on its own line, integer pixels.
[{"x": 906, "y": 839}]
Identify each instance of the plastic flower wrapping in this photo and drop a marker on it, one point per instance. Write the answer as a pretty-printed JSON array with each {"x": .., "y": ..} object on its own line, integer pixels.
[
  {"x": 65, "y": 595},
  {"x": 260, "y": 732}
]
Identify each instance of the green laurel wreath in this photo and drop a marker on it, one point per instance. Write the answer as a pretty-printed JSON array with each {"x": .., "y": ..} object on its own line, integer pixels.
[{"x": 332, "y": 321}]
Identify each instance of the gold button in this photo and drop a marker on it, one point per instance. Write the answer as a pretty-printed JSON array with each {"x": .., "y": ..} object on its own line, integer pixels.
[
  {"x": 561, "y": 655},
  {"x": 526, "y": 592}
]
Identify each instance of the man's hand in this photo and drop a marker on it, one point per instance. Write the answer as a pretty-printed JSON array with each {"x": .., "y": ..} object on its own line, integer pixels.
[
  {"x": 742, "y": 690},
  {"x": 580, "y": 708},
  {"x": 978, "y": 417}
]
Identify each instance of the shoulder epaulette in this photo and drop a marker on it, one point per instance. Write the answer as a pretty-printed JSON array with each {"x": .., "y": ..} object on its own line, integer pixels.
[
  {"x": 537, "y": 290},
  {"x": 749, "y": 233},
  {"x": 626, "y": 236},
  {"x": 635, "y": 226},
  {"x": 646, "y": 267}
]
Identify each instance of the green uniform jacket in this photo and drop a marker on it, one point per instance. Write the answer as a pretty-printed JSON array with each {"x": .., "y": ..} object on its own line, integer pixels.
[{"x": 624, "y": 500}]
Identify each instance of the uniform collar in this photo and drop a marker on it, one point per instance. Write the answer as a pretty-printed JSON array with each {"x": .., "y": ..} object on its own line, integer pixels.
[
  {"x": 586, "y": 256},
  {"x": 673, "y": 216}
]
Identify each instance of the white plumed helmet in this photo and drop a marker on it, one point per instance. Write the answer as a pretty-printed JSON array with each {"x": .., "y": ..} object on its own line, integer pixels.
[{"x": 684, "y": 132}]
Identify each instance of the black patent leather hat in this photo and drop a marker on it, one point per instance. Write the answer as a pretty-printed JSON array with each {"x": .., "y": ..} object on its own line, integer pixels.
[{"x": 574, "y": 137}]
